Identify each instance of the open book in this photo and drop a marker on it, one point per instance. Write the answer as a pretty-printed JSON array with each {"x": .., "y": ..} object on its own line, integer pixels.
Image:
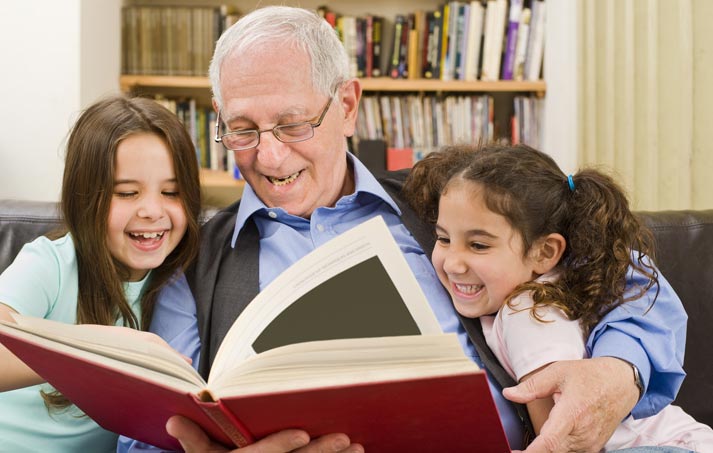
[{"x": 394, "y": 384}]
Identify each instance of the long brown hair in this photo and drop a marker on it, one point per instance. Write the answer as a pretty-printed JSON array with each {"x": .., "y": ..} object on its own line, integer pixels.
[
  {"x": 87, "y": 190},
  {"x": 604, "y": 238}
]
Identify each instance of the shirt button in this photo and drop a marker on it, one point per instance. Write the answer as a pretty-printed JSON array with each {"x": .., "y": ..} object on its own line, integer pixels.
[
  {"x": 320, "y": 228},
  {"x": 272, "y": 214}
]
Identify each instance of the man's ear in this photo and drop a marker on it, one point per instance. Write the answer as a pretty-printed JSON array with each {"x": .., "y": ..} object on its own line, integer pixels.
[
  {"x": 547, "y": 252},
  {"x": 349, "y": 95},
  {"x": 215, "y": 105}
]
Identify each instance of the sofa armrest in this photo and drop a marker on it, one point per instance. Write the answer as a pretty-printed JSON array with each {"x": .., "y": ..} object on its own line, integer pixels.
[{"x": 684, "y": 255}]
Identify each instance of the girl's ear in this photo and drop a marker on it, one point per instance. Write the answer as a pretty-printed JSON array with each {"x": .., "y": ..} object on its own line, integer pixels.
[{"x": 547, "y": 252}]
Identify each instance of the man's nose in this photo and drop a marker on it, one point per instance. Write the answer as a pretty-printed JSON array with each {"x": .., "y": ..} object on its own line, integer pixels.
[{"x": 271, "y": 152}]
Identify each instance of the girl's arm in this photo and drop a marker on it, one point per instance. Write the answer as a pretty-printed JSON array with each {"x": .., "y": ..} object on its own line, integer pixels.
[
  {"x": 15, "y": 374},
  {"x": 538, "y": 409}
]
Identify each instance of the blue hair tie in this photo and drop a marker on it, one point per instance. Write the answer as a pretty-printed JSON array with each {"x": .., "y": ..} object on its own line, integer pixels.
[{"x": 570, "y": 181}]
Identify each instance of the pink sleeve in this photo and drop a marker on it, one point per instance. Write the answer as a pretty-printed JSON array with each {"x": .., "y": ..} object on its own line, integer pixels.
[{"x": 531, "y": 344}]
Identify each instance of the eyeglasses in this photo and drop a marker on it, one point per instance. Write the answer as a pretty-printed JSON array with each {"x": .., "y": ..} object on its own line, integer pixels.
[{"x": 286, "y": 133}]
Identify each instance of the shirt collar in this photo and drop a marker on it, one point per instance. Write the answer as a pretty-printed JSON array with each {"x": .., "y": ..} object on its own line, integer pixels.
[{"x": 364, "y": 182}]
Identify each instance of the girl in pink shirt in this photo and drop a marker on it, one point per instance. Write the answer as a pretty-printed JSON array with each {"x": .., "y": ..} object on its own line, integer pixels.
[{"x": 540, "y": 257}]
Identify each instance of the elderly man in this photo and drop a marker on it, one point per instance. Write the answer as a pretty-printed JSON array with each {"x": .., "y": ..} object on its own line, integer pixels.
[{"x": 286, "y": 105}]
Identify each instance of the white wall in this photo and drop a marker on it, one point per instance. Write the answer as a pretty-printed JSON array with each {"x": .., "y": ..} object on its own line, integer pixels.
[{"x": 57, "y": 56}]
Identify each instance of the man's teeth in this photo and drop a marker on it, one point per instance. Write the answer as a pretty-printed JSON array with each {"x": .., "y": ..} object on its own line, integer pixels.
[
  {"x": 147, "y": 235},
  {"x": 468, "y": 289},
  {"x": 284, "y": 180}
]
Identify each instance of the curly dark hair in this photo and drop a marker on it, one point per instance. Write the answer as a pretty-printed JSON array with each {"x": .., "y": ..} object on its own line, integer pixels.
[{"x": 604, "y": 239}]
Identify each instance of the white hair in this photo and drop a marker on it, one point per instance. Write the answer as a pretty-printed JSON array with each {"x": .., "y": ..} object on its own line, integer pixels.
[{"x": 287, "y": 27}]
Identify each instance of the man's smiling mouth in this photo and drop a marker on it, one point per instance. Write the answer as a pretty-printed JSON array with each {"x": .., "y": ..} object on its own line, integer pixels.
[{"x": 284, "y": 180}]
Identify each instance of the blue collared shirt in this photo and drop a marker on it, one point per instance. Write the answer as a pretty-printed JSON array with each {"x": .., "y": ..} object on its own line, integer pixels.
[{"x": 286, "y": 238}]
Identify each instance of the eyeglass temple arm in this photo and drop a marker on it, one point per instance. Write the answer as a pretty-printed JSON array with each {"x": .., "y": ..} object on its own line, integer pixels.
[{"x": 217, "y": 137}]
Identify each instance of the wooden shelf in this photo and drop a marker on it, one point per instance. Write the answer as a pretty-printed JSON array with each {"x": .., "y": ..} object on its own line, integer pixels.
[
  {"x": 130, "y": 82},
  {"x": 219, "y": 188},
  {"x": 215, "y": 178}
]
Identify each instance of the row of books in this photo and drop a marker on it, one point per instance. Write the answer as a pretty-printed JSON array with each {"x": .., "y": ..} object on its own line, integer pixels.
[
  {"x": 200, "y": 124},
  {"x": 424, "y": 123},
  {"x": 460, "y": 40},
  {"x": 171, "y": 40}
]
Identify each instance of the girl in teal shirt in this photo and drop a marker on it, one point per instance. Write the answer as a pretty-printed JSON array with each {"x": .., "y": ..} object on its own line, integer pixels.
[{"x": 130, "y": 205}]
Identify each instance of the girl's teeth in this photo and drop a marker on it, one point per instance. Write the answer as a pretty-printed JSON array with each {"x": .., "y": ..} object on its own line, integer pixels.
[
  {"x": 468, "y": 289},
  {"x": 147, "y": 235}
]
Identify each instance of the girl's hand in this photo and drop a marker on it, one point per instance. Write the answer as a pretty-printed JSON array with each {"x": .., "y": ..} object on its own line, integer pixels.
[
  {"x": 15, "y": 374},
  {"x": 193, "y": 439}
]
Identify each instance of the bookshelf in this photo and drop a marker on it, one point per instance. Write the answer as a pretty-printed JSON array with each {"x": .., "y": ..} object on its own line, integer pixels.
[{"x": 198, "y": 87}]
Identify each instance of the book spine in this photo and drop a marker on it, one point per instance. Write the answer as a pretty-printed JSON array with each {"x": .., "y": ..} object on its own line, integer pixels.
[
  {"x": 396, "y": 48},
  {"x": 513, "y": 25},
  {"x": 537, "y": 38},
  {"x": 474, "y": 41},
  {"x": 521, "y": 48},
  {"x": 377, "y": 38},
  {"x": 445, "y": 23},
  {"x": 226, "y": 421},
  {"x": 369, "y": 46}
]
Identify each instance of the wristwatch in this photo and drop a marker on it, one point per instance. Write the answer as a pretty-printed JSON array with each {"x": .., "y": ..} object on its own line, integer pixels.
[{"x": 637, "y": 379}]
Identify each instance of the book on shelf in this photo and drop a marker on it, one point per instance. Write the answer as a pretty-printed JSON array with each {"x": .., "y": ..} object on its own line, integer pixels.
[
  {"x": 513, "y": 26},
  {"x": 536, "y": 41},
  {"x": 432, "y": 66},
  {"x": 445, "y": 23},
  {"x": 377, "y": 45},
  {"x": 523, "y": 36},
  {"x": 399, "y": 158},
  {"x": 417, "y": 45},
  {"x": 403, "y": 69},
  {"x": 400, "y": 22},
  {"x": 342, "y": 341},
  {"x": 495, "y": 18},
  {"x": 474, "y": 41}
]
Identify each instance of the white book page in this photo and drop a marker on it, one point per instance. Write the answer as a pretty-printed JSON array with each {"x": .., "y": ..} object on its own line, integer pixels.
[
  {"x": 123, "y": 345},
  {"x": 345, "y": 362},
  {"x": 367, "y": 240}
]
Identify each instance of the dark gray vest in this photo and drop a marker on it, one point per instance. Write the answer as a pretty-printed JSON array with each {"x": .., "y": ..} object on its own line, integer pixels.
[{"x": 224, "y": 280}]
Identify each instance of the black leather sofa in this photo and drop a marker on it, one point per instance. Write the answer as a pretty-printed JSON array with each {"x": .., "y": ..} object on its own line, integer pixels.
[{"x": 684, "y": 252}]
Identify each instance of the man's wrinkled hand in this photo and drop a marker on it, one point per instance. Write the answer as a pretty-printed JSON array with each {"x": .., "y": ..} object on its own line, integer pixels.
[{"x": 592, "y": 397}]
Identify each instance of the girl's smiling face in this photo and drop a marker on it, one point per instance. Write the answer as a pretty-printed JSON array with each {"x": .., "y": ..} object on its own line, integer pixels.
[
  {"x": 146, "y": 217},
  {"x": 478, "y": 256}
]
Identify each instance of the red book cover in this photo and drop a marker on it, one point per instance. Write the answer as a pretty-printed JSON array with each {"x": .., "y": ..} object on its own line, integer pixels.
[{"x": 450, "y": 413}]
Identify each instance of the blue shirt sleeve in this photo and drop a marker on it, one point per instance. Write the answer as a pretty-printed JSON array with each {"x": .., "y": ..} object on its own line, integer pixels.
[
  {"x": 649, "y": 332},
  {"x": 174, "y": 320}
]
